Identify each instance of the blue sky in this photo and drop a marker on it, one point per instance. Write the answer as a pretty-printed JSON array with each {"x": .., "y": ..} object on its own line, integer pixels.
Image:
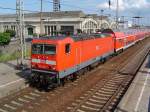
[{"x": 128, "y": 8}]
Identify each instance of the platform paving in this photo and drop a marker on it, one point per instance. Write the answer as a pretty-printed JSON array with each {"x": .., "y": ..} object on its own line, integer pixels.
[
  {"x": 12, "y": 80},
  {"x": 137, "y": 98}
]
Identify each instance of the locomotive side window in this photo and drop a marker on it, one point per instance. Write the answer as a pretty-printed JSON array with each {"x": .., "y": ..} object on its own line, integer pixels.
[
  {"x": 50, "y": 49},
  {"x": 67, "y": 48},
  {"x": 37, "y": 49},
  {"x": 120, "y": 40}
]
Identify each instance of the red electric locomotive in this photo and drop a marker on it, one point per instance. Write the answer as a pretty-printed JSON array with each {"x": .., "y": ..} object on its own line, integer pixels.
[{"x": 55, "y": 58}]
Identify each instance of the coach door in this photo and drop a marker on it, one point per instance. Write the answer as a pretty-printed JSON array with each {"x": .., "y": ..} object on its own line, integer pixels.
[{"x": 78, "y": 58}]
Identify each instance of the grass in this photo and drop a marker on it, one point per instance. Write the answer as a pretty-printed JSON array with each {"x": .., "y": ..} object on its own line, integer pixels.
[{"x": 8, "y": 57}]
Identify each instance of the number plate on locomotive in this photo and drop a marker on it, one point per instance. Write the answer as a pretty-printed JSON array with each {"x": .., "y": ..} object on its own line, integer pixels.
[{"x": 43, "y": 61}]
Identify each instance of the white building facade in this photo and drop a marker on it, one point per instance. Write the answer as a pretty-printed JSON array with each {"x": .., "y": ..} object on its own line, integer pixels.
[{"x": 53, "y": 22}]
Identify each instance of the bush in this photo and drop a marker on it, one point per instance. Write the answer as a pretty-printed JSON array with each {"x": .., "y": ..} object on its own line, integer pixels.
[
  {"x": 4, "y": 38},
  {"x": 35, "y": 35},
  {"x": 11, "y": 32},
  {"x": 42, "y": 35}
]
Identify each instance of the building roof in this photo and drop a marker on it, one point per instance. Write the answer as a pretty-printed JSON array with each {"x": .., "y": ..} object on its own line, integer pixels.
[
  {"x": 63, "y": 19},
  {"x": 62, "y": 14},
  {"x": 49, "y": 14},
  {"x": 71, "y": 16}
]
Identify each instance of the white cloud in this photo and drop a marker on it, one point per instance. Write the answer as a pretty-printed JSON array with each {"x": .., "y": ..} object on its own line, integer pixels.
[{"x": 126, "y": 4}]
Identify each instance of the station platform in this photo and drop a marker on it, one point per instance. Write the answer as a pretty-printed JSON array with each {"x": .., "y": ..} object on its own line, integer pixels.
[
  {"x": 137, "y": 97},
  {"x": 12, "y": 80}
]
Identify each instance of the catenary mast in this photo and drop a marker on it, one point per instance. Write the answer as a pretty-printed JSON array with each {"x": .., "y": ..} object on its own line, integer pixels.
[
  {"x": 20, "y": 26},
  {"x": 56, "y": 5}
]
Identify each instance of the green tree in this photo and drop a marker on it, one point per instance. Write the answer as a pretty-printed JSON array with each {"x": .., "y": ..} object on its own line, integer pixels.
[
  {"x": 11, "y": 32},
  {"x": 4, "y": 38}
]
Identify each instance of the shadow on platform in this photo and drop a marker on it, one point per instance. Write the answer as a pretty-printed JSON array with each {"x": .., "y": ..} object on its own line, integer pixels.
[
  {"x": 145, "y": 72},
  {"x": 148, "y": 63},
  {"x": 149, "y": 105},
  {"x": 118, "y": 109},
  {"x": 25, "y": 74}
]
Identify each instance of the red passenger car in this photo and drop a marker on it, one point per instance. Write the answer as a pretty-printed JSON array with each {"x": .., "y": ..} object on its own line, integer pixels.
[{"x": 119, "y": 41}]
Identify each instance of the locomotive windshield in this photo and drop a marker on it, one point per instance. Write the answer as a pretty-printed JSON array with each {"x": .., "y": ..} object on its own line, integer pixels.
[
  {"x": 43, "y": 49},
  {"x": 37, "y": 49},
  {"x": 49, "y": 49}
]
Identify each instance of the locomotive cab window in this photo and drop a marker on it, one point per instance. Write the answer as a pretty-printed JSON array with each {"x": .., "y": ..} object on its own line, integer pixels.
[
  {"x": 37, "y": 49},
  {"x": 50, "y": 49},
  {"x": 67, "y": 48},
  {"x": 43, "y": 49}
]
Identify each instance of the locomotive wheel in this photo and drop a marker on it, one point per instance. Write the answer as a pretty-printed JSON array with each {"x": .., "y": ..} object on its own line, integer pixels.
[
  {"x": 74, "y": 76},
  {"x": 104, "y": 60},
  {"x": 86, "y": 69},
  {"x": 62, "y": 82},
  {"x": 80, "y": 72},
  {"x": 34, "y": 79}
]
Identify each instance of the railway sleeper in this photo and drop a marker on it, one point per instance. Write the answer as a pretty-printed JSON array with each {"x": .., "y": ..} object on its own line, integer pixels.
[
  {"x": 94, "y": 100},
  {"x": 89, "y": 109},
  {"x": 93, "y": 104},
  {"x": 102, "y": 95}
]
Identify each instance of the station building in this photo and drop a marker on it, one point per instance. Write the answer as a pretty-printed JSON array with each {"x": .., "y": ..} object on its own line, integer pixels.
[{"x": 52, "y": 22}]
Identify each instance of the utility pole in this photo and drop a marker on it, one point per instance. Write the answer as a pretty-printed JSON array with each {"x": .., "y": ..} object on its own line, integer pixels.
[
  {"x": 101, "y": 17},
  {"x": 20, "y": 26},
  {"x": 23, "y": 31},
  {"x": 117, "y": 14},
  {"x": 123, "y": 21},
  {"x": 41, "y": 15}
]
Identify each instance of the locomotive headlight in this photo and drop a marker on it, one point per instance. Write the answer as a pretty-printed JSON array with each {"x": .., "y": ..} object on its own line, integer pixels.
[
  {"x": 53, "y": 68},
  {"x": 34, "y": 66}
]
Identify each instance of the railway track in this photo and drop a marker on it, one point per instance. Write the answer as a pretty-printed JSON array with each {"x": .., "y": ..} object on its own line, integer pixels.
[
  {"x": 96, "y": 98},
  {"x": 106, "y": 94},
  {"x": 100, "y": 93}
]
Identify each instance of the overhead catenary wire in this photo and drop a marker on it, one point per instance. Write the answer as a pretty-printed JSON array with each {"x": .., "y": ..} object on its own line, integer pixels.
[
  {"x": 64, "y": 4},
  {"x": 14, "y": 9},
  {"x": 38, "y": 11},
  {"x": 48, "y": 1}
]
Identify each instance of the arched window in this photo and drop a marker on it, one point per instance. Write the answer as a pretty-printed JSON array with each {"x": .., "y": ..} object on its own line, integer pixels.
[{"x": 89, "y": 26}]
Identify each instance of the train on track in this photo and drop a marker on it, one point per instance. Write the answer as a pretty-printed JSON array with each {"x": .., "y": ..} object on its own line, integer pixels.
[{"x": 55, "y": 59}]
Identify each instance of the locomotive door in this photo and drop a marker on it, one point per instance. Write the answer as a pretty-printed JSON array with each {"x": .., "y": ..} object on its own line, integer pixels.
[{"x": 78, "y": 58}]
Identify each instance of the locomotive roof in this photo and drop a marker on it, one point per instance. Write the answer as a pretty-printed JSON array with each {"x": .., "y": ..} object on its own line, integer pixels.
[{"x": 77, "y": 37}]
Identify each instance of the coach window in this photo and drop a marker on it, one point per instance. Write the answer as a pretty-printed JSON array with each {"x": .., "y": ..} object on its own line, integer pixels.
[{"x": 67, "y": 48}]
